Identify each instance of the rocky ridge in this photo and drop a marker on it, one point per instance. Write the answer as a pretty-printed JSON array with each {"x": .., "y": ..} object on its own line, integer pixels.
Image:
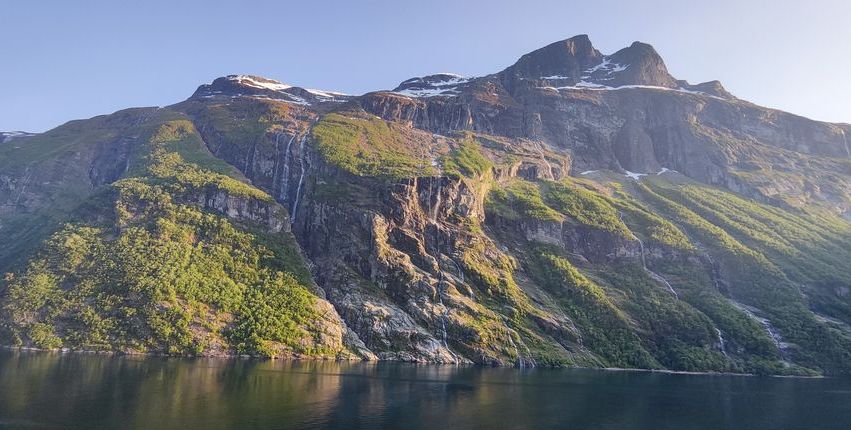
[{"x": 575, "y": 208}]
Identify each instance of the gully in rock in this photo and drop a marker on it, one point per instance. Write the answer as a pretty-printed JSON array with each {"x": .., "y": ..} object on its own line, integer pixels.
[
  {"x": 300, "y": 178},
  {"x": 285, "y": 182}
]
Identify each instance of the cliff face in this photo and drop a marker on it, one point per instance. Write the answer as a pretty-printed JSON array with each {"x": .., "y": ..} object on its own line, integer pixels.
[{"x": 574, "y": 209}]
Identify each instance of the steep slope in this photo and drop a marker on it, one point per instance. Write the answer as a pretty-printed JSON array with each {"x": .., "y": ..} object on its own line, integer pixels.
[
  {"x": 174, "y": 255},
  {"x": 576, "y": 209}
]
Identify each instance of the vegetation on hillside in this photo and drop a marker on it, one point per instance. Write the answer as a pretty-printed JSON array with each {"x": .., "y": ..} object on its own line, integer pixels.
[
  {"x": 369, "y": 146},
  {"x": 161, "y": 274}
]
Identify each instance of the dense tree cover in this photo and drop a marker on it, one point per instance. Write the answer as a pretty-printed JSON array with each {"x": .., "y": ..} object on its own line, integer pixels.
[
  {"x": 163, "y": 275},
  {"x": 764, "y": 256},
  {"x": 754, "y": 278},
  {"x": 604, "y": 328}
]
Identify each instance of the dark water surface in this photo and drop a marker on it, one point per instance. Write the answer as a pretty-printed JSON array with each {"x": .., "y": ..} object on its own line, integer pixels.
[{"x": 76, "y": 391}]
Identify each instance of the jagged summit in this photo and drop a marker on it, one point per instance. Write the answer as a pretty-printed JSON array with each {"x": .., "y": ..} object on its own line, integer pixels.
[
  {"x": 569, "y": 64},
  {"x": 568, "y": 58},
  {"x": 575, "y": 64},
  {"x": 642, "y": 65}
]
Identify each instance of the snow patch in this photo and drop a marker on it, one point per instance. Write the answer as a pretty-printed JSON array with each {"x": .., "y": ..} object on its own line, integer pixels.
[
  {"x": 585, "y": 85},
  {"x": 634, "y": 176},
  {"x": 330, "y": 95},
  {"x": 280, "y": 87},
  {"x": 607, "y": 67},
  {"x": 665, "y": 170},
  {"x": 588, "y": 172},
  {"x": 289, "y": 99},
  {"x": 257, "y": 82},
  {"x": 8, "y": 136},
  {"x": 424, "y": 87}
]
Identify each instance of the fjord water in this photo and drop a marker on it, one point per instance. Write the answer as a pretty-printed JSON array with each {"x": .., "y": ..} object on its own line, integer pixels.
[{"x": 46, "y": 390}]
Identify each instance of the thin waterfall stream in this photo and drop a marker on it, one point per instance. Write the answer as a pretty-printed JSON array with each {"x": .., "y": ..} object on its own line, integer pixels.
[
  {"x": 286, "y": 177},
  {"x": 300, "y": 179},
  {"x": 440, "y": 278},
  {"x": 766, "y": 324},
  {"x": 277, "y": 161},
  {"x": 722, "y": 344},
  {"x": 655, "y": 276}
]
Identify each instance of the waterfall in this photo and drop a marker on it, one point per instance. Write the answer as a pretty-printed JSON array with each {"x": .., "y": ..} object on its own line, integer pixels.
[
  {"x": 659, "y": 278},
  {"x": 440, "y": 300},
  {"x": 249, "y": 161},
  {"x": 516, "y": 351},
  {"x": 440, "y": 282},
  {"x": 300, "y": 178},
  {"x": 286, "y": 180},
  {"x": 714, "y": 271},
  {"x": 277, "y": 161},
  {"x": 540, "y": 149},
  {"x": 845, "y": 142},
  {"x": 766, "y": 325},
  {"x": 458, "y": 269},
  {"x": 24, "y": 183},
  {"x": 722, "y": 344},
  {"x": 437, "y": 200},
  {"x": 655, "y": 276},
  {"x": 521, "y": 363}
]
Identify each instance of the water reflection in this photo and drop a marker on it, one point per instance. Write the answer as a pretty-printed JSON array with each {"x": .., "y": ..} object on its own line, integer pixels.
[{"x": 41, "y": 390}]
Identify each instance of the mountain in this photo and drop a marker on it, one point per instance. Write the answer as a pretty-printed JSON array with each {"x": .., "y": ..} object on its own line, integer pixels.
[{"x": 573, "y": 209}]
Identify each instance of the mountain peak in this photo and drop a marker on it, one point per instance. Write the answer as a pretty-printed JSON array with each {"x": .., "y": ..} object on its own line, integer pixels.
[
  {"x": 568, "y": 57},
  {"x": 643, "y": 66},
  {"x": 575, "y": 63}
]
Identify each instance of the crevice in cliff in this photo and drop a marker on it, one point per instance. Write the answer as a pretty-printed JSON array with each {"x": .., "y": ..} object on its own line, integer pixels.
[{"x": 301, "y": 158}]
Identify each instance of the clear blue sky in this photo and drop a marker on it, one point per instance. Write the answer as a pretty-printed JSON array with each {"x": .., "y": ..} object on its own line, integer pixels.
[{"x": 62, "y": 60}]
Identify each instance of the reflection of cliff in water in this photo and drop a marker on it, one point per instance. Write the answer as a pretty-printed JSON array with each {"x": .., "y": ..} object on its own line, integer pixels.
[{"x": 94, "y": 391}]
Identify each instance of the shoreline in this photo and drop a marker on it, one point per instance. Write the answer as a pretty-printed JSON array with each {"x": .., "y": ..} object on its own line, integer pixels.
[{"x": 68, "y": 351}]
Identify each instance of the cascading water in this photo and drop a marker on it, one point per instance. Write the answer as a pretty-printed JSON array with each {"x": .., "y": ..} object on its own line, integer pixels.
[
  {"x": 767, "y": 326},
  {"x": 300, "y": 178},
  {"x": 722, "y": 344},
  {"x": 440, "y": 279},
  {"x": 24, "y": 183},
  {"x": 458, "y": 270},
  {"x": 277, "y": 162},
  {"x": 845, "y": 142},
  {"x": 521, "y": 362},
  {"x": 655, "y": 276},
  {"x": 286, "y": 180},
  {"x": 540, "y": 149},
  {"x": 249, "y": 161},
  {"x": 442, "y": 306},
  {"x": 277, "y": 157},
  {"x": 516, "y": 351},
  {"x": 437, "y": 201}
]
